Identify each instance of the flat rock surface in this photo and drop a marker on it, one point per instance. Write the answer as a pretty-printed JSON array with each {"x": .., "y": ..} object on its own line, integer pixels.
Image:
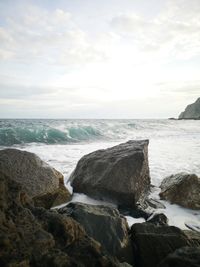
[{"x": 119, "y": 174}]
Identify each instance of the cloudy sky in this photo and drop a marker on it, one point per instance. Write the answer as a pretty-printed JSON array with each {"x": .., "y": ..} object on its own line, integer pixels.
[{"x": 98, "y": 59}]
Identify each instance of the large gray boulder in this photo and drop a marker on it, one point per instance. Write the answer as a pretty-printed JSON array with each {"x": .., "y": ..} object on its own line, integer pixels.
[
  {"x": 105, "y": 225},
  {"x": 192, "y": 111},
  {"x": 119, "y": 174},
  {"x": 44, "y": 184},
  {"x": 182, "y": 189}
]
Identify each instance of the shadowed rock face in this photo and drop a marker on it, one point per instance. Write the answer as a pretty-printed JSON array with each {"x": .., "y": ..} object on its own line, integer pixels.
[
  {"x": 192, "y": 111},
  {"x": 119, "y": 174},
  {"x": 105, "y": 225},
  {"x": 43, "y": 183},
  {"x": 153, "y": 243},
  {"x": 34, "y": 237},
  {"x": 182, "y": 189},
  {"x": 183, "y": 257}
]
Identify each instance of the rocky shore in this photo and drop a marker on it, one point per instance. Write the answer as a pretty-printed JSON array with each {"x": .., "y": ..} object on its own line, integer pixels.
[
  {"x": 191, "y": 112},
  {"x": 78, "y": 234}
]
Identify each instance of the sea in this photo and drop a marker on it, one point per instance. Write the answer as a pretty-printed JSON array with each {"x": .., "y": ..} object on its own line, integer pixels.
[{"x": 174, "y": 146}]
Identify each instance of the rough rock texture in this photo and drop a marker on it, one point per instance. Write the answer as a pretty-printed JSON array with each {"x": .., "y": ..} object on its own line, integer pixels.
[
  {"x": 42, "y": 182},
  {"x": 183, "y": 257},
  {"x": 192, "y": 111},
  {"x": 37, "y": 237},
  {"x": 158, "y": 219},
  {"x": 182, "y": 189},
  {"x": 153, "y": 243},
  {"x": 105, "y": 225},
  {"x": 119, "y": 174}
]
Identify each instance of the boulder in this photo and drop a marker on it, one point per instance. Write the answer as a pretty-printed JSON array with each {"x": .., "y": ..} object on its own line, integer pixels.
[
  {"x": 34, "y": 236},
  {"x": 182, "y": 257},
  {"x": 192, "y": 111},
  {"x": 105, "y": 225},
  {"x": 182, "y": 189},
  {"x": 44, "y": 184},
  {"x": 153, "y": 243},
  {"x": 119, "y": 174}
]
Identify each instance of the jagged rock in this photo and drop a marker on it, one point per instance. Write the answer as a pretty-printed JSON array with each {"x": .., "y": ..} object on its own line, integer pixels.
[
  {"x": 105, "y": 225},
  {"x": 192, "y": 111},
  {"x": 42, "y": 182},
  {"x": 193, "y": 236},
  {"x": 158, "y": 219},
  {"x": 34, "y": 237},
  {"x": 182, "y": 257},
  {"x": 154, "y": 203},
  {"x": 153, "y": 243},
  {"x": 182, "y": 189},
  {"x": 119, "y": 174}
]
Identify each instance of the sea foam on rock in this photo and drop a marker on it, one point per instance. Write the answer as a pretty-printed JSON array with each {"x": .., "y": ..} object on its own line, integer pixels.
[
  {"x": 44, "y": 184},
  {"x": 105, "y": 225},
  {"x": 182, "y": 189},
  {"x": 119, "y": 174}
]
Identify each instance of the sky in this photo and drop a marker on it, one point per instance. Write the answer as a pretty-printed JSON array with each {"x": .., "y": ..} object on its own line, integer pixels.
[{"x": 98, "y": 59}]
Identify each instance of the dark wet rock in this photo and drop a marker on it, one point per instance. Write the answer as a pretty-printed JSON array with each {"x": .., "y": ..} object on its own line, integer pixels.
[
  {"x": 42, "y": 182},
  {"x": 192, "y": 111},
  {"x": 158, "y": 219},
  {"x": 193, "y": 236},
  {"x": 153, "y": 243},
  {"x": 135, "y": 213},
  {"x": 183, "y": 257},
  {"x": 34, "y": 237},
  {"x": 154, "y": 203},
  {"x": 105, "y": 225},
  {"x": 119, "y": 174},
  {"x": 182, "y": 189}
]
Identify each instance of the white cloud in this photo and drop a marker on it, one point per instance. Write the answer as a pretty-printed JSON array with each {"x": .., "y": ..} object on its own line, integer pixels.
[
  {"x": 46, "y": 37},
  {"x": 172, "y": 33}
]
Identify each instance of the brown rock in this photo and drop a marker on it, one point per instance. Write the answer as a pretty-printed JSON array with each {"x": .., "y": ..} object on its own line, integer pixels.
[
  {"x": 182, "y": 189},
  {"x": 42, "y": 182},
  {"x": 35, "y": 237}
]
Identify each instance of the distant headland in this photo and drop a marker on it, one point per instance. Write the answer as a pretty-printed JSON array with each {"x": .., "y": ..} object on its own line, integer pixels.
[{"x": 192, "y": 111}]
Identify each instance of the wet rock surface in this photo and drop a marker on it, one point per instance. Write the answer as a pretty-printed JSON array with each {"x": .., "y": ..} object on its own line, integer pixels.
[
  {"x": 182, "y": 189},
  {"x": 105, "y": 225},
  {"x": 42, "y": 182},
  {"x": 119, "y": 174}
]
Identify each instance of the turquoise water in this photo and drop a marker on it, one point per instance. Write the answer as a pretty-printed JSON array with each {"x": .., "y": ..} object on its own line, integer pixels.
[{"x": 174, "y": 145}]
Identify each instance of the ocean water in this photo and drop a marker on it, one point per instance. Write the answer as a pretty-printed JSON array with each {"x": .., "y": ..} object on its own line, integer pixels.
[{"x": 174, "y": 146}]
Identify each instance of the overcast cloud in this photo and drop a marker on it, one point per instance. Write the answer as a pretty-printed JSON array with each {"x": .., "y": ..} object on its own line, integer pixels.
[{"x": 98, "y": 59}]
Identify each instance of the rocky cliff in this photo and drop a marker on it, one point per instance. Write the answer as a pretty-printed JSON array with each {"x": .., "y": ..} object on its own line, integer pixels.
[{"x": 192, "y": 111}]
